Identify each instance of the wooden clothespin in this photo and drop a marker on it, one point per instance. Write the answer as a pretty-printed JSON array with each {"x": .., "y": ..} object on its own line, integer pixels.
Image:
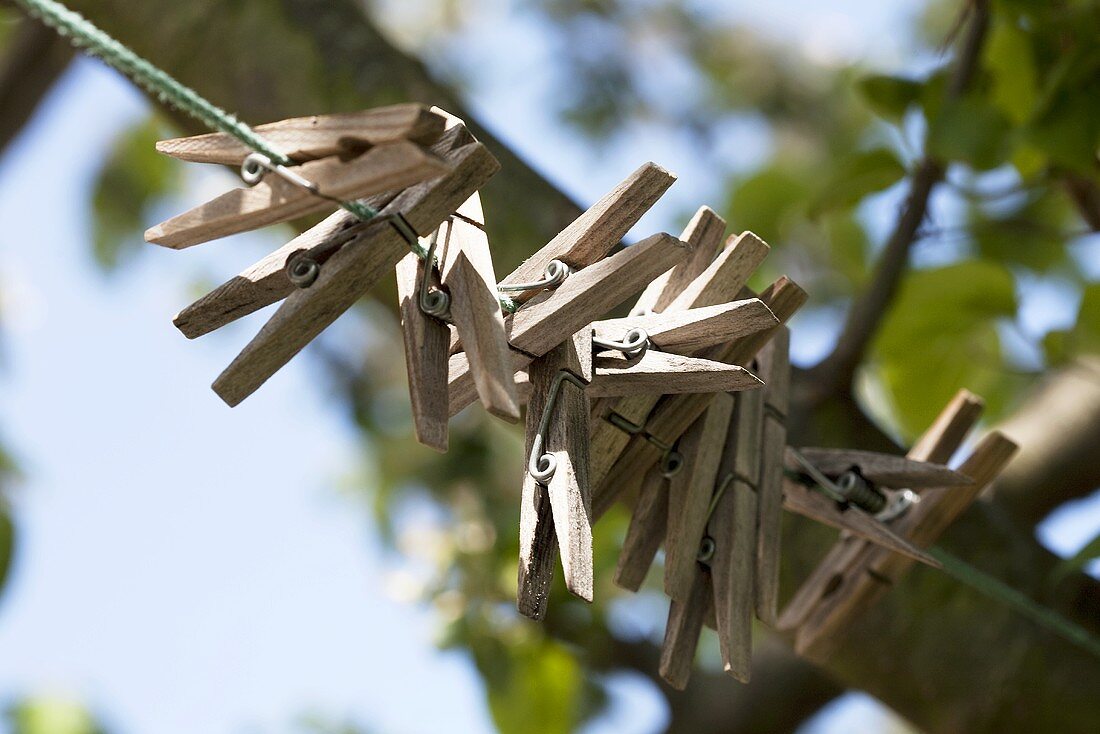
[
  {"x": 775, "y": 370},
  {"x": 374, "y": 248},
  {"x": 555, "y": 315},
  {"x": 652, "y": 434},
  {"x": 268, "y": 281},
  {"x": 555, "y": 510},
  {"x": 328, "y": 166},
  {"x": 713, "y": 562},
  {"x": 317, "y": 136},
  {"x": 468, "y": 275},
  {"x": 856, "y": 573}
]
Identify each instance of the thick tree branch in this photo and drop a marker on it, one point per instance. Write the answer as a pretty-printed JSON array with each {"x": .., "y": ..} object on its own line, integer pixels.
[
  {"x": 835, "y": 373},
  {"x": 32, "y": 62},
  {"x": 1058, "y": 430}
]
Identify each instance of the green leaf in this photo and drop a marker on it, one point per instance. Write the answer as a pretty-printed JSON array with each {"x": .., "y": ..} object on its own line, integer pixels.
[
  {"x": 1030, "y": 234},
  {"x": 133, "y": 177},
  {"x": 769, "y": 200},
  {"x": 889, "y": 96},
  {"x": 7, "y": 543},
  {"x": 1011, "y": 62},
  {"x": 940, "y": 335},
  {"x": 970, "y": 131},
  {"x": 1069, "y": 132},
  {"x": 48, "y": 715},
  {"x": 540, "y": 691},
  {"x": 856, "y": 176}
]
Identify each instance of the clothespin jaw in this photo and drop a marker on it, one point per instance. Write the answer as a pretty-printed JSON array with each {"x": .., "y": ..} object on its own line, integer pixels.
[
  {"x": 317, "y": 136},
  {"x": 295, "y": 191},
  {"x": 353, "y": 269},
  {"x": 555, "y": 510},
  {"x": 856, "y": 573},
  {"x": 775, "y": 370}
]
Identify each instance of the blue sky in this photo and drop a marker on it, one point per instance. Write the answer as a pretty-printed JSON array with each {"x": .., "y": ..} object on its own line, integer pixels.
[{"x": 184, "y": 567}]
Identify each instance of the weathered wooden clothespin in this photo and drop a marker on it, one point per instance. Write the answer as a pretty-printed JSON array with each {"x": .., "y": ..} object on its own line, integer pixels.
[
  {"x": 855, "y": 573},
  {"x": 321, "y": 273},
  {"x": 330, "y": 165},
  {"x": 556, "y": 504},
  {"x": 775, "y": 370}
]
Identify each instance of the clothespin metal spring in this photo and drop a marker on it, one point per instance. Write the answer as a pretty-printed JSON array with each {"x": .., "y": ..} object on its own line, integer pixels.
[
  {"x": 852, "y": 488},
  {"x": 433, "y": 301},
  {"x": 554, "y": 275},
  {"x": 672, "y": 461},
  {"x": 542, "y": 466},
  {"x": 632, "y": 344}
]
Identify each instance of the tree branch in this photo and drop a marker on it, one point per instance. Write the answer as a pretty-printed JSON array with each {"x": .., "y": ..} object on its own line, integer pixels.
[
  {"x": 34, "y": 59},
  {"x": 1057, "y": 430},
  {"x": 836, "y": 372}
]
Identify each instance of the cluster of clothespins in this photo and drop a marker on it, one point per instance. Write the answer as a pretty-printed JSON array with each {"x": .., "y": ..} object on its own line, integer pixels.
[{"x": 678, "y": 408}]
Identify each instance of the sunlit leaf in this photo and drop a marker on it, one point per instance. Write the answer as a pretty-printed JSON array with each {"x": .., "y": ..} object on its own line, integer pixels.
[
  {"x": 940, "y": 336},
  {"x": 51, "y": 716},
  {"x": 970, "y": 131},
  {"x": 133, "y": 177},
  {"x": 1031, "y": 234},
  {"x": 767, "y": 200},
  {"x": 856, "y": 176},
  {"x": 889, "y": 96},
  {"x": 536, "y": 689},
  {"x": 1061, "y": 346},
  {"x": 1010, "y": 60},
  {"x": 7, "y": 543}
]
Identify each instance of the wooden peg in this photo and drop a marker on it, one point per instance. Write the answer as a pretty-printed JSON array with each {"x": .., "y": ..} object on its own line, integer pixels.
[
  {"x": 318, "y": 136},
  {"x": 557, "y": 512},
  {"x": 691, "y": 330},
  {"x": 774, "y": 365},
  {"x": 690, "y": 493},
  {"x": 468, "y": 275},
  {"x": 726, "y": 275},
  {"x": 274, "y": 199},
  {"x": 861, "y": 583},
  {"x": 546, "y": 320},
  {"x": 884, "y": 470},
  {"x": 266, "y": 282},
  {"x": 592, "y": 235},
  {"x": 660, "y": 373},
  {"x": 810, "y": 503},
  {"x": 425, "y": 340},
  {"x": 938, "y": 443},
  {"x": 646, "y": 532},
  {"x": 674, "y": 413},
  {"x": 351, "y": 272},
  {"x": 685, "y": 622},
  {"x": 704, "y": 233},
  {"x": 732, "y": 530}
]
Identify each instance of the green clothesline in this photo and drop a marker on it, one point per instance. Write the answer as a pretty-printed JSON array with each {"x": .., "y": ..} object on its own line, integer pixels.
[{"x": 157, "y": 82}]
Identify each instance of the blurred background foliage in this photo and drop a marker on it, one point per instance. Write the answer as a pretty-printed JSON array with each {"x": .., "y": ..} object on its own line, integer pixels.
[{"x": 842, "y": 143}]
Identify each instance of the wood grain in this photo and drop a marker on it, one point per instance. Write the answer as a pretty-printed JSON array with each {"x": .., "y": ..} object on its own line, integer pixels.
[
  {"x": 350, "y": 273},
  {"x": 468, "y": 275},
  {"x": 726, "y": 276},
  {"x": 661, "y": 373},
  {"x": 704, "y": 233},
  {"x": 774, "y": 369},
  {"x": 690, "y": 492},
  {"x": 646, "y": 531},
  {"x": 317, "y": 136},
  {"x": 884, "y": 470},
  {"x": 692, "y": 330},
  {"x": 425, "y": 341},
  {"x": 685, "y": 622},
  {"x": 383, "y": 168},
  {"x": 733, "y": 529},
  {"x": 592, "y": 235}
]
